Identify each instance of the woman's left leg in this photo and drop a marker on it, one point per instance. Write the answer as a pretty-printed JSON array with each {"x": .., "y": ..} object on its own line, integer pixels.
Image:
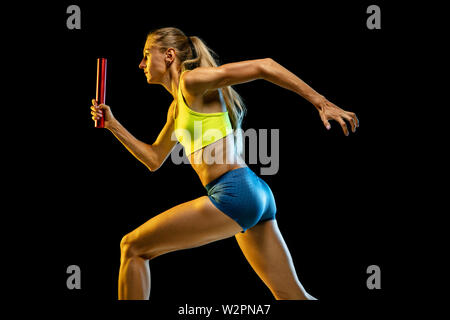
[{"x": 187, "y": 225}]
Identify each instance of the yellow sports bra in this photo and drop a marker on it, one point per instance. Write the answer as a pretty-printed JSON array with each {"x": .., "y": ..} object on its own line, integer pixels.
[{"x": 195, "y": 130}]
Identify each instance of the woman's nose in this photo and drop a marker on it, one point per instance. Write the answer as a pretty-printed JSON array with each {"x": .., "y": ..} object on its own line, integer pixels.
[{"x": 142, "y": 64}]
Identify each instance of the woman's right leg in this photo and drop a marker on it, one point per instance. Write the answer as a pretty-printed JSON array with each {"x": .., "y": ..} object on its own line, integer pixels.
[
  {"x": 268, "y": 255},
  {"x": 188, "y": 225}
]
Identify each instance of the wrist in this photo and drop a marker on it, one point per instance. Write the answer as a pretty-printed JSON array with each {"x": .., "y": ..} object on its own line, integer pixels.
[
  {"x": 317, "y": 101},
  {"x": 112, "y": 125}
]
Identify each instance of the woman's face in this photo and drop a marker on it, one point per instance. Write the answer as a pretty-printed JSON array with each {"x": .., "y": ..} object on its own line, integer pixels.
[{"x": 153, "y": 63}]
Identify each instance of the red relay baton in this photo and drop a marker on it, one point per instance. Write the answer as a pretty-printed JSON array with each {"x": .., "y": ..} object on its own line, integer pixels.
[{"x": 101, "y": 89}]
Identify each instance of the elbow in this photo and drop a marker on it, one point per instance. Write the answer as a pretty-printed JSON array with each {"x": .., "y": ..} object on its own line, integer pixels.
[
  {"x": 266, "y": 66},
  {"x": 152, "y": 164},
  {"x": 152, "y": 168},
  {"x": 153, "y": 160}
]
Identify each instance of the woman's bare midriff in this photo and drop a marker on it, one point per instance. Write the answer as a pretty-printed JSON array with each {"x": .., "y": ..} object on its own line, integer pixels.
[{"x": 216, "y": 159}]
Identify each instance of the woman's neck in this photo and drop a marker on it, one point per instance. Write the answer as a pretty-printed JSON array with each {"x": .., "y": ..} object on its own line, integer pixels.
[{"x": 171, "y": 81}]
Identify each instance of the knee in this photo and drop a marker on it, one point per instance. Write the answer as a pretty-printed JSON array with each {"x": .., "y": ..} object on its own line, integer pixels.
[{"x": 128, "y": 247}]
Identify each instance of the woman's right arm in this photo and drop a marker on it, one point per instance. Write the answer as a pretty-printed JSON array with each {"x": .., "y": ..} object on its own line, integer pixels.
[{"x": 152, "y": 156}]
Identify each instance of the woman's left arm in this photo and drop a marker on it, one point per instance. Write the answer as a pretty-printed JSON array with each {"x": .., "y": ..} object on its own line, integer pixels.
[
  {"x": 201, "y": 79},
  {"x": 277, "y": 74}
]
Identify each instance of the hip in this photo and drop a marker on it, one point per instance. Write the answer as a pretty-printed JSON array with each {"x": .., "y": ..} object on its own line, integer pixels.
[{"x": 240, "y": 186}]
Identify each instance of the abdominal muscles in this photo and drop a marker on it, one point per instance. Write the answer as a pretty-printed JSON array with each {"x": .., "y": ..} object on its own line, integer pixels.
[{"x": 215, "y": 159}]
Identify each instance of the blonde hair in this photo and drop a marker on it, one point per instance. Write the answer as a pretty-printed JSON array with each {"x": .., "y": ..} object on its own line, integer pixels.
[{"x": 175, "y": 38}]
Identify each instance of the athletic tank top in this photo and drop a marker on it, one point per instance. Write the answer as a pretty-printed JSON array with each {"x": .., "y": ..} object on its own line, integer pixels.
[{"x": 195, "y": 130}]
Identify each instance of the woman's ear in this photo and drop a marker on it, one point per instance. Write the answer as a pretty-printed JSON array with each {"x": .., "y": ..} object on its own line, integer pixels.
[{"x": 170, "y": 56}]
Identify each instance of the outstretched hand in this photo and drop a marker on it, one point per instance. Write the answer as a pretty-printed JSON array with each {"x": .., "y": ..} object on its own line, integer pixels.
[{"x": 330, "y": 111}]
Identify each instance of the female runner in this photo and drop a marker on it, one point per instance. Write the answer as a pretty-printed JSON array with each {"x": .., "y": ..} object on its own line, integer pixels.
[{"x": 205, "y": 117}]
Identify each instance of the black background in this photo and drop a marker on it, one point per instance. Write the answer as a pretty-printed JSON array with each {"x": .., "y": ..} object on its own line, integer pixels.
[{"x": 337, "y": 196}]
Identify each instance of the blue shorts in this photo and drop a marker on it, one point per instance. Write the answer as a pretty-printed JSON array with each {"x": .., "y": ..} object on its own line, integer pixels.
[{"x": 243, "y": 196}]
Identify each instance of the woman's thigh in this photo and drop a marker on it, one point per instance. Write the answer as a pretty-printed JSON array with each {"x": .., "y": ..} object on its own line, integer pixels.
[
  {"x": 187, "y": 225},
  {"x": 267, "y": 253}
]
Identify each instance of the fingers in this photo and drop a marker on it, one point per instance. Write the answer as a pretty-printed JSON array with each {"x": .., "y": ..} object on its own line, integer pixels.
[
  {"x": 332, "y": 112},
  {"x": 100, "y": 106},
  {"x": 343, "y": 125},
  {"x": 96, "y": 113},
  {"x": 99, "y": 111},
  {"x": 325, "y": 121},
  {"x": 354, "y": 124},
  {"x": 351, "y": 121},
  {"x": 354, "y": 119}
]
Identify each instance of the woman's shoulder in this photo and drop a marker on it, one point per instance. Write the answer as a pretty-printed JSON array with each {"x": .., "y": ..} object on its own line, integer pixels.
[
  {"x": 199, "y": 80},
  {"x": 199, "y": 101}
]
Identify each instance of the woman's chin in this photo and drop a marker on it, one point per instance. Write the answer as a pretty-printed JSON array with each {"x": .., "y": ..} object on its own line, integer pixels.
[{"x": 150, "y": 80}]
